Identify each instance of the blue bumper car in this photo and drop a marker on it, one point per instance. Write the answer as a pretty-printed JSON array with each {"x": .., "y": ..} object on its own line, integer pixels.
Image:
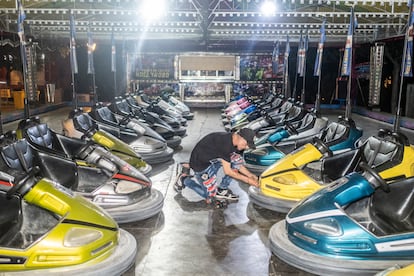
[
  {"x": 358, "y": 225},
  {"x": 273, "y": 147}
]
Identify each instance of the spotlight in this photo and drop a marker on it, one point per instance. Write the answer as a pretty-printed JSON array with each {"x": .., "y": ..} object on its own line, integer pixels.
[
  {"x": 268, "y": 8},
  {"x": 149, "y": 12}
]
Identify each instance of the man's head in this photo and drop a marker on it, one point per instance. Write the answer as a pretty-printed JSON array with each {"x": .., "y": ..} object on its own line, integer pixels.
[{"x": 245, "y": 139}]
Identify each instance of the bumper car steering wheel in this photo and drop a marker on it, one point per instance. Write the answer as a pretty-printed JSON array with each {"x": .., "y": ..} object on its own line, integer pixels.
[
  {"x": 322, "y": 147},
  {"x": 374, "y": 178},
  {"x": 291, "y": 129},
  {"x": 24, "y": 184}
]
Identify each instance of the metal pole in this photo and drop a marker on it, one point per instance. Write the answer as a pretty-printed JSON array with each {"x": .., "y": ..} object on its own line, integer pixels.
[
  {"x": 115, "y": 87},
  {"x": 286, "y": 78},
  {"x": 74, "y": 98},
  {"x": 1, "y": 124},
  {"x": 25, "y": 84},
  {"x": 397, "y": 120},
  {"x": 348, "y": 108},
  {"x": 296, "y": 82},
  {"x": 348, "y": 94},
  {"x": 95, "y": 96},
  {"x": 398, "y": 113},
  {"x": 302, "y": 95},
  {"x": 318, "y": 95},
  {"x": 73, "y": 62}
]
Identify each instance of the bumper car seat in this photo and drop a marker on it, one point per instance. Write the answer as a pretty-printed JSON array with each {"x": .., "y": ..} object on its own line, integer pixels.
[
  {"x": 170, "y": 120},
  {"x": 46, "y": 229},
  {"x": 121, "y": 107},
  {"x": 299, "y": 175},
  {"x": 123, "y": 191},
  {"x": 370, "y": 221},
  {"x": 152, "y": 150},
  {"x": 81, "y": 126}
]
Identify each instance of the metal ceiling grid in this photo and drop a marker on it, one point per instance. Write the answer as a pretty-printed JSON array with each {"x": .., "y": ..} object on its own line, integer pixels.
[{"x": 210, "y": 21}]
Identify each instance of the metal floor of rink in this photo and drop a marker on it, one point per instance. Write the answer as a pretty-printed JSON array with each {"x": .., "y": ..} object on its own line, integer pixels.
[{"x": 190, "y": 238}]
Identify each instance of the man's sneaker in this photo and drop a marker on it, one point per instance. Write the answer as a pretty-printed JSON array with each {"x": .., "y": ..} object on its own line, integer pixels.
[
  {"x": 184, "y": 168},
  {"x": 179, "y": 184},
  {"x": 217, "y": 203},
  {"x": 226, "y": 194}
]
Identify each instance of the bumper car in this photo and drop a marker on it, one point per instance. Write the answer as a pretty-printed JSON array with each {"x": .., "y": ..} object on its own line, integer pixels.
[
  {"x": 167, "y": 95},
  {"x": 159, "y": 106},
  {"x": 81, "y": 126},
  {"x": 397, "y": 270},
  {"x": 149, "y": 144},
  {"x": 238, "y": 96},
  {"x": 265, "y": 120},
  {"x": 235, "y": 103},
  {"x": 266, "y": 100},
  {"x": 271, "y": 119},
  {"x": 233, "y": 110},
  {"x": 171, "y": 121},
  {"x": 47, "y": 229},
  {"x": 123, "y": 191},
  {"x": 122, "y": 109},
  {"x": 252, "y": 113},
  {"x": 339, "y": 136},
  {"x": 295, "y": 177},
  {"x": 289, "y": 128},
  {"x": 241, "y": 116},
  {"x": 358, "y": 225}
]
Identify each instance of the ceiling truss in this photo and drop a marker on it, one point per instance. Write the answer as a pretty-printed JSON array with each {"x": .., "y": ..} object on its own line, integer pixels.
[{"x": 210, "y": 21}]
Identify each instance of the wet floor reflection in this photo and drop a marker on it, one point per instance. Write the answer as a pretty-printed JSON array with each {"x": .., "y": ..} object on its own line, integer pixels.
[{"x": 190, "y": 237}]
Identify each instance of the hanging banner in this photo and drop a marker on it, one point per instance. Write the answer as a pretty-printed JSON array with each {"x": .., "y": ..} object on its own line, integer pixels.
[
  {"x": 346, "y": 70},
  {"x": 300, "y": 56},
  {"x": 20, "y": 18},
  {"x": 408, "y": 69},
  {"x": 319, "y": 52},
  {"x": 91, "y": 49},
  {"x": 287, "y": 53},
  {"x": 73, "y": 59},
  {"x": 113, "y": 53},
  {"x": 275, "y": 58},
  {"x": 302, "y": 49}
]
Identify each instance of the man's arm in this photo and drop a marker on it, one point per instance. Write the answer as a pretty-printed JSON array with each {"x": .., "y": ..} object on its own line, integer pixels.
[
  {"x": 246, "y": 172},
  {"x": 242, "y": 174}
]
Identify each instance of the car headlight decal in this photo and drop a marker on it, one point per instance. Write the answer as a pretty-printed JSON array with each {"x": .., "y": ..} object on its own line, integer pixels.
[
  {"x": 324, "y": 226},
  {"x": 81, "y": 236},
  {"x": 286, "y": 179}
]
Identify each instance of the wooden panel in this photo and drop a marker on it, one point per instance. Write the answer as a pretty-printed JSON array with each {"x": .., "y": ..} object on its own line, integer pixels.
[{"x": 5, "y": 93}]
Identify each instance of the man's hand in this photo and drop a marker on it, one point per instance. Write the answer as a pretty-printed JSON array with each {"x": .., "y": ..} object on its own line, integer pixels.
[
  {"x": 253, "y": 182},
  {"x": 254, "y": 177}
]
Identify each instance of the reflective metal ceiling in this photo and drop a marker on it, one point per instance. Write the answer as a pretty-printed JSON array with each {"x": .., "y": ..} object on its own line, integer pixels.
[{"x": 210, "y": 22}]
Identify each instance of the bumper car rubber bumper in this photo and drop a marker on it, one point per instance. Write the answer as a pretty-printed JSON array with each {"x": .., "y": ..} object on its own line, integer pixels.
[
  {"x": 271, "y": 203},
  {"x": 141, "y": 210},
  {"x": 188, "y": 116},
  {"x": 288, "y": 252},
  {"x": 256, "y": 169},
  {"x": 121, "y": 260},
  {"x": 180, "y": 131},
  {"x": 174, "y": 142},
  {"x": 158, "y": 157}
]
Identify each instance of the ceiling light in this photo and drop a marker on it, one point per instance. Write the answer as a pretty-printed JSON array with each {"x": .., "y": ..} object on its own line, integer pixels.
[
  {"x": 148, "y": 11},
  {"x": 268, "y": 8}
]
